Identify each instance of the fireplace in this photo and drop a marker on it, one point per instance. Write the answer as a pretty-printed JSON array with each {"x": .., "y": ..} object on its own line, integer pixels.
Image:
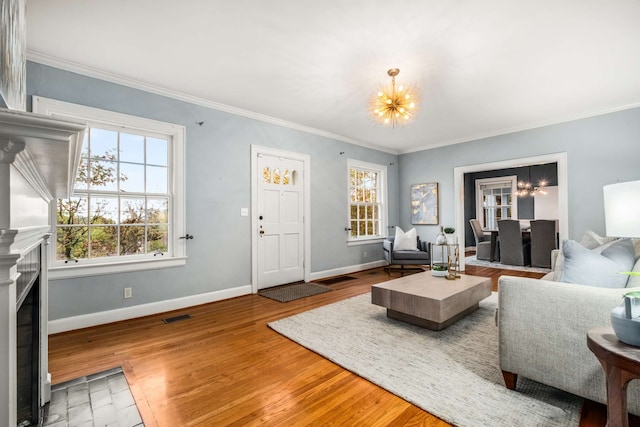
[
  {"x": 37, "y": 154},
  {"x": 28, "y": 339}
]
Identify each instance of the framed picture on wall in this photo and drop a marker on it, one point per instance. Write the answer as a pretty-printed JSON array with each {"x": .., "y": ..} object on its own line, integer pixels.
[{"x": 424, "y": 203}]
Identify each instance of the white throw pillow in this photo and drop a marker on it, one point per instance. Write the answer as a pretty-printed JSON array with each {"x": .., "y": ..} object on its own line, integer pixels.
[
  {"x": 405, "y": 241},
  {"x": 592, "y": 240}
]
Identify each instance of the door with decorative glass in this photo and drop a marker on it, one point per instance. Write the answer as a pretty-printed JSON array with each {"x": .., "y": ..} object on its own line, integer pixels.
[{"x": 280, "y": 220}]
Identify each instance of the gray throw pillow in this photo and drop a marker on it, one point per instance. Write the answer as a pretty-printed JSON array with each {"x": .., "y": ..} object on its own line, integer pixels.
[{"x": 599, "y": 267}]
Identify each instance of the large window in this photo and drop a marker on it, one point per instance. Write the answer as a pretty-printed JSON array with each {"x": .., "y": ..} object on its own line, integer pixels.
[
  {"x": 367, "y": 201},
  {"x": 496, "y": 200},
  {"x": 127, "y": 202}
]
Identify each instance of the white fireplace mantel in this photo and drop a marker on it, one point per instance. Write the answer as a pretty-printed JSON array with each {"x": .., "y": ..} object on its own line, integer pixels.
[{"x": 43, "y": 152}]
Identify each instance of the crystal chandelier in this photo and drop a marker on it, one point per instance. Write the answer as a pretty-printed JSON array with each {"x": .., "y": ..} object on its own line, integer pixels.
[{"x": 394, "y": 106}]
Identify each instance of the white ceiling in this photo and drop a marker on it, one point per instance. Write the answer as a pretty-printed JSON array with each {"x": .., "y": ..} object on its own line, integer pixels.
[{"x": 483, "y": 67}]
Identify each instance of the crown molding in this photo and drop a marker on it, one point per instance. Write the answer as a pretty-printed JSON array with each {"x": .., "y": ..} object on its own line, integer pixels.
[
  {"x": 158, "y": 90},
  {"x": 529, "y": 126}
]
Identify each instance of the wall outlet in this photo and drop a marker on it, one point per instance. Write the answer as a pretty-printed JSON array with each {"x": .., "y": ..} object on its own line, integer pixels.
[
  {"x": 128, "y": 292},
  {"x": 244, "y": 211}
]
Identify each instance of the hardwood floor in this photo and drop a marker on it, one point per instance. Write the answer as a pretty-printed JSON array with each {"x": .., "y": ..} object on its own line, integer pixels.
[{"x": 225, "y": 367}]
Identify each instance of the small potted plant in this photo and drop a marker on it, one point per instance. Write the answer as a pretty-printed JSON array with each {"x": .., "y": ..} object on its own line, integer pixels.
[{"x": 449, "y": 232}]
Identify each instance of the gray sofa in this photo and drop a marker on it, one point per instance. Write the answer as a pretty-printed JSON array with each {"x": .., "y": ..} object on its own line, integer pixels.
[{"x": 543, "y": 328}]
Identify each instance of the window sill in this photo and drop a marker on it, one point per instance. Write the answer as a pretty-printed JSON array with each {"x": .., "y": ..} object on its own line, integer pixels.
[
  {"x": 369, "y": 241},
  {"x": 70, "y": 272}
]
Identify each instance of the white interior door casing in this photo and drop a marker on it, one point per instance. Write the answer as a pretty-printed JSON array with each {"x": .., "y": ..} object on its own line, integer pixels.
[{"x": 280, "y": 215}]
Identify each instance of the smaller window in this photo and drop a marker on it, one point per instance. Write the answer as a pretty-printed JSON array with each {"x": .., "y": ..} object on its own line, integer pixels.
[
  {"x": 495, "y": 200},
  {"x": 367, "y": 210}
]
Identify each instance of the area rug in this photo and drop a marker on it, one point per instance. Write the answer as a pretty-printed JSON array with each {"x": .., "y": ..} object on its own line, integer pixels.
[
  {"x": 452, "y": 374},
  {"x": 472, "y": 260},
  {"x": 293, "y": 292}
]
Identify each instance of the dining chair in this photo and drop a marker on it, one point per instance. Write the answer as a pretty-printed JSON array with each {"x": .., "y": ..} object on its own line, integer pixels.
[
  {"x": 483, "y": 242},
  {"x": 514, "y": 250},
  {"x": 543, "y": 241}
]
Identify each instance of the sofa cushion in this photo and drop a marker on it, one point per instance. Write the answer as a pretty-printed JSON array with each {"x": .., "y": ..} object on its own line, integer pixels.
[
  {"x": 411, "y": 255},
  {"x": 405, "y": 241},
  {"x": 592, "y": 240},
  {"x": 600, "y": 267}
]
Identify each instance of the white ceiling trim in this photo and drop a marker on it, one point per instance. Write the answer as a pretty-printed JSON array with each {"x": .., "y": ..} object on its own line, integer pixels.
[{"x": 158, "y": 90}]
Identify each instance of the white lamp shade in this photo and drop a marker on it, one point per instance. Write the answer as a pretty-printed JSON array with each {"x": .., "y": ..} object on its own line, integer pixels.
[{"x": 622, "y": 209}]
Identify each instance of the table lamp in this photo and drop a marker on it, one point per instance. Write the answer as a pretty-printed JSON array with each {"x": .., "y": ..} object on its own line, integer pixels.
[{"x": 622, "y": 219}]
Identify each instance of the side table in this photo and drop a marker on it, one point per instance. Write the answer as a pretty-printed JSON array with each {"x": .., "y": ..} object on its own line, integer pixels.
[{"x": 621, "y": 363}]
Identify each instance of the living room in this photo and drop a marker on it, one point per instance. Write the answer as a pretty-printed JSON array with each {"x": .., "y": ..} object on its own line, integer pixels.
[{"x": 599, "y": 142}]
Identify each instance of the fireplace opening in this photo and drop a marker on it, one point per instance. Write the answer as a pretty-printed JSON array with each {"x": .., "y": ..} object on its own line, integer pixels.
[{"x": 28, "y": 339}]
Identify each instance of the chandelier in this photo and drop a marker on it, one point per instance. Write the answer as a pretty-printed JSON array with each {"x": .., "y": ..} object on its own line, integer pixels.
[
  {"x": 394, "y": 106},
  {"x": 527, "y": 189}
]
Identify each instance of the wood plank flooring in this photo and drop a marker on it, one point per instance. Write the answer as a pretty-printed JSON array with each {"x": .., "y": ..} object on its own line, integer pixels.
[{"x": 225, "y": 367}]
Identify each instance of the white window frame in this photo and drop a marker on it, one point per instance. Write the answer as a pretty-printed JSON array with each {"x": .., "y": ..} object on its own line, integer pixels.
[
  {"x": 497, "y": 180},
  {"x": 382, "y": 194},
  {"x": 177, "y": 134}
]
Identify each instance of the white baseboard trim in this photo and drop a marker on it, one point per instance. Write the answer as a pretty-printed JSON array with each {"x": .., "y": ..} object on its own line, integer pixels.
[
  {"x": 110, "y": 316},
  {"x": 346, "y": 270}
]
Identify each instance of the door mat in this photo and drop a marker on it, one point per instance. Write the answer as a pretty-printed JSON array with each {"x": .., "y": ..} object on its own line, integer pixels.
[
  {"x": 334, "y": 280},
  {"x": 293, "y": 292},
  {"x": 98, "y": 399}
]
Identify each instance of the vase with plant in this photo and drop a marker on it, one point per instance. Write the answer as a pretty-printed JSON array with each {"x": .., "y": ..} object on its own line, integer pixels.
[{"x": 448, "y": 231}]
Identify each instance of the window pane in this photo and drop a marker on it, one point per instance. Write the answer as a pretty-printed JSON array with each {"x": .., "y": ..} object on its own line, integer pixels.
[
  {"x": 103, "y": 144},
  {"x": 285, "y": 177},
  {"x": 362, "y": 212},
  {"x": 157, "y": 179},
  {"x": 266, "y": 175},
  {"x": 104, "y": 210},
  {"x": 354, "y": 228},
  {"x": 104, "y": 241},
  {"x": 131, "y": 178},
  {"x": 131, "y": 148},
  {"x": 157, "y": 211},
  {"x": 157, "y": 238},
  {"x": 276, "y": 176},
  {"x": 71, "y": 242},
  {"x": 72, "y": 211},
  {"x": 102, "y": 175},
  {"x": 157, "y": 152},
  {"x": 131, "y": 211},
  {"x": 82, "y": 177},
  {"x": 353, "y": 212},
  {"x": 132, "y": 240},
  {"x": 362, "y": 228}
]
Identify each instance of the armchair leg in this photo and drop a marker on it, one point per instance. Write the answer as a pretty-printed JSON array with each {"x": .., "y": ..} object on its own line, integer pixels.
[{"x": 510, "y": 379}]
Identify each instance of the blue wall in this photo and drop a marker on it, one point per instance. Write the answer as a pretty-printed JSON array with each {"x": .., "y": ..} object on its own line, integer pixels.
[
  {"x": 600, "y": 150},
  {"x": 218, "y": 185}
]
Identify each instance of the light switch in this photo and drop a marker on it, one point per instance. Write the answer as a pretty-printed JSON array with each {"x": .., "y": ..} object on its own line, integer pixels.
[{"x": 244, "y": 211}]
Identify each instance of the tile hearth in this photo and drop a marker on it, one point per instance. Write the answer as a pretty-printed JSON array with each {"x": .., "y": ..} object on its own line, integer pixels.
[{"x": 101, "y": 399}]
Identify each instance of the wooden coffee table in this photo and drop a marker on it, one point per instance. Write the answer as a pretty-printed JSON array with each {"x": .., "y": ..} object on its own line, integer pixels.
[{"x": 431, "y": 302}]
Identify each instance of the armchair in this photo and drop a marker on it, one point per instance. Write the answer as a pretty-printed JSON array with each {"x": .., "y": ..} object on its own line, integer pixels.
[{"x": 403, "y": 258}]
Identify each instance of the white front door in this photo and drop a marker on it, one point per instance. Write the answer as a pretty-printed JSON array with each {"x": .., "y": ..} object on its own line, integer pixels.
[{"x": 280, "y": 220}]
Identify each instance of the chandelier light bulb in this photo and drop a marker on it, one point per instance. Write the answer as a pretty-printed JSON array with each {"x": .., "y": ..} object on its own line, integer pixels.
[{"x": 390, "y": 105}]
